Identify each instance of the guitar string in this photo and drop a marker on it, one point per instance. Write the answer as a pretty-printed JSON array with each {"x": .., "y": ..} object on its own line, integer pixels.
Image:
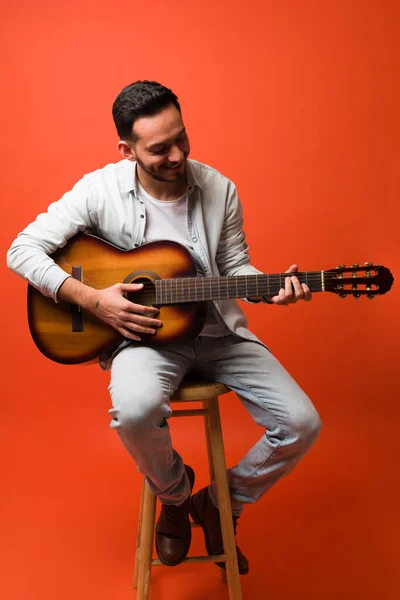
[{"x": 235, "y": 281}]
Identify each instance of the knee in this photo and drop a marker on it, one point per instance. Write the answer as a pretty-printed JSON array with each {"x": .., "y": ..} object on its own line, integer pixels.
[
  {"x": 305, "y": 427},
  {"x": 138, "y": 412}
]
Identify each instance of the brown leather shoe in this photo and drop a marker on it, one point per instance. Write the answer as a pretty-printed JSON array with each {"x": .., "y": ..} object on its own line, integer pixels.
[
  {"x": 205, "y": 514},
  {"x": 173, "y": 531}
]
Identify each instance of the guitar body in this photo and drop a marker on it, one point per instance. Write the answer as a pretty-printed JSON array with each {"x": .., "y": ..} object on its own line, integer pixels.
[{"x": 68, "y": 335}]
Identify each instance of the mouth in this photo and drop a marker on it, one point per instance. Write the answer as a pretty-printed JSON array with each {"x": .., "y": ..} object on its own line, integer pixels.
[{"x": 173, "y": 169}]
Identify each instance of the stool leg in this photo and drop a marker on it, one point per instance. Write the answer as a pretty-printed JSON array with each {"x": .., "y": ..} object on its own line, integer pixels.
[
  {"x": 146, "y": 543},
  {"x": 138, "y": 539},
  {"x": 224, "y": 503},
  {"x": 208, "y": 441}
]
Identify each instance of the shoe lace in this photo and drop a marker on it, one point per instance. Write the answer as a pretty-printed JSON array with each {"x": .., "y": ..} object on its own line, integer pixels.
[{"x": 174, "y": 514}]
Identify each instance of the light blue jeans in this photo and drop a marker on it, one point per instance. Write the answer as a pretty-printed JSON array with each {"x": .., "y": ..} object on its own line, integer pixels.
[{"x": 143, "y": 379}]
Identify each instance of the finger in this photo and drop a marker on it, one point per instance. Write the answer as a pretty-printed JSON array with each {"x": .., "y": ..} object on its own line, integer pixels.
[
  {"x": 130, "y": 287},
  {"x": 289, "y": 291},
  {"x": 143, "y": 321},
  {"x": 298, "y": 289},
  {"x": 292, "y": 269},
  {"x": 140, "y": 309},
  {"x": 128, "y": 334},
  {"x": 280, "y": 298},
  {"x": 307, "y": 292},
  {"x": 139, "y": 328}
]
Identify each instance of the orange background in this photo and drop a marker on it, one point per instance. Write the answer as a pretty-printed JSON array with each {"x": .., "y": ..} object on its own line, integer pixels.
[{"x": 298, "y": 102}]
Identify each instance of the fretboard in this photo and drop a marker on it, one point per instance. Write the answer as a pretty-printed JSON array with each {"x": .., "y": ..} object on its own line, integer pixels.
[{"x": 200, "y": 289}]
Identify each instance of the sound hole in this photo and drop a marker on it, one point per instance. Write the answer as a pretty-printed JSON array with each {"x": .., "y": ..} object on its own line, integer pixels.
[{"x": 147, "y": 295}]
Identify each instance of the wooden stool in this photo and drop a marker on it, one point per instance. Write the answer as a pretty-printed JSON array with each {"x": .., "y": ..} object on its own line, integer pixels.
[{"x": 193, "y": 390}]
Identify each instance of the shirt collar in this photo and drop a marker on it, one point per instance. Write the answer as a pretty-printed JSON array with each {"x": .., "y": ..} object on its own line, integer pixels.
[{"x": 129, "y": 181}]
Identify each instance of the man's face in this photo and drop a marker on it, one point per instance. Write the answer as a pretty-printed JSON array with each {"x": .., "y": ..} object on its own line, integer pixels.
[{"x": 162, "y": 145}]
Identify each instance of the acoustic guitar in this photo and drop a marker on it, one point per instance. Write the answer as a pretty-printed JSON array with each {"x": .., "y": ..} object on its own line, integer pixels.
[{"x": 67, "y": 334}]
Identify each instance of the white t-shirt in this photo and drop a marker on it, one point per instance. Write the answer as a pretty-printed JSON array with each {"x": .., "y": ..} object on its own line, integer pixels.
[{"x": 167, "y": 220}]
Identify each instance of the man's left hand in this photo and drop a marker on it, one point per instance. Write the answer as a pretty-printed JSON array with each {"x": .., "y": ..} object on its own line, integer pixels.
[{"x": 293, "y": 290}]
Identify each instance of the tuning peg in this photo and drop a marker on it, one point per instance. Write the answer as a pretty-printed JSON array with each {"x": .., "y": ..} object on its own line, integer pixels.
[
  {"x": 370, "y": 296},
  {"x": 342, "y": 295},
  {"x": 356, "y": 296},
  {"x": 341, "y": 267},
  {"x": 368, "y": 264},
  {"x": 354, "y": 266}
]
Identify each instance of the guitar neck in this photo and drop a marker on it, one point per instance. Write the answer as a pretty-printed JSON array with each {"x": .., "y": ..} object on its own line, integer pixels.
[{"x": 200, "y": 289}]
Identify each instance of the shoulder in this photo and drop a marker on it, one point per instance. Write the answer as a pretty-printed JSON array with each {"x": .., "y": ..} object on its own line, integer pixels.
[
  {"x": 209, "y": 178},
  {"x": 113, "y": 176}
]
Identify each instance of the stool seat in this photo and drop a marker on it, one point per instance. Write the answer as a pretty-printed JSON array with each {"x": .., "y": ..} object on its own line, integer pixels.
[{"x": 194, "y": 389}]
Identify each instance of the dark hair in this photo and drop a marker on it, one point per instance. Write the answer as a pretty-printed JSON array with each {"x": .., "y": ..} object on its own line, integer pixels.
[{"x": 140, "y": 99}]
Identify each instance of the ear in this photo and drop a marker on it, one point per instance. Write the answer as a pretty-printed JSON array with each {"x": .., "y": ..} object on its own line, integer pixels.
[{"x": 126, "y": 150}]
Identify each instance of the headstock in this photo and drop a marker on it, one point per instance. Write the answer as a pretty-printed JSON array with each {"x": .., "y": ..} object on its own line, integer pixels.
[{"x": 368, "y": 280}]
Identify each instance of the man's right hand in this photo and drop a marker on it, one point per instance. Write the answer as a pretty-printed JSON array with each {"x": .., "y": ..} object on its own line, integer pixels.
[
  {"x": 111, "y": 306},
  {"x": 128, "y": 318}
]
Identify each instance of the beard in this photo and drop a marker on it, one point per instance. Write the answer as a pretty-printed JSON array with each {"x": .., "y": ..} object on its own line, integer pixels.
[{"x": 158, "y": 176}]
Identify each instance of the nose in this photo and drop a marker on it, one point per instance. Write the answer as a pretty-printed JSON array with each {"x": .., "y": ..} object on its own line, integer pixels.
[{"x": 175, "y": 155}]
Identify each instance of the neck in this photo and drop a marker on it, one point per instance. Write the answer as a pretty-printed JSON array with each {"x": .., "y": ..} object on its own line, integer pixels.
[{"x": 162, "y": 190}]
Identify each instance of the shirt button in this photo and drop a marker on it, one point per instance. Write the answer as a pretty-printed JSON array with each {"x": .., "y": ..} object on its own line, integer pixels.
[
  {"x": 136, "y": 245},
  {"x": 194, "y": 239},
  {"x": 142, "y": 216}
]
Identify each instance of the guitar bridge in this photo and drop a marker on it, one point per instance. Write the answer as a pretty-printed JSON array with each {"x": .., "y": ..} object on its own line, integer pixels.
[{"x": 76, "y": 310}]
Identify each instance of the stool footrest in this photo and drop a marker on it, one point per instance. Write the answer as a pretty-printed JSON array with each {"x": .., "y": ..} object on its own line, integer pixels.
[
  {"x": 190, "y": 412},
  {"x": 195, "y": 559}
]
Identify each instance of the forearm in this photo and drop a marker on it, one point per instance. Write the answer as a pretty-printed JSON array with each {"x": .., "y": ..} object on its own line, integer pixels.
[{"x": 72, "y": 290}]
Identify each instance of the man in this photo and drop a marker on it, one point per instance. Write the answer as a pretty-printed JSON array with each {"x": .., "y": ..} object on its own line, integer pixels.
[{"x": 155, "y": 193}]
